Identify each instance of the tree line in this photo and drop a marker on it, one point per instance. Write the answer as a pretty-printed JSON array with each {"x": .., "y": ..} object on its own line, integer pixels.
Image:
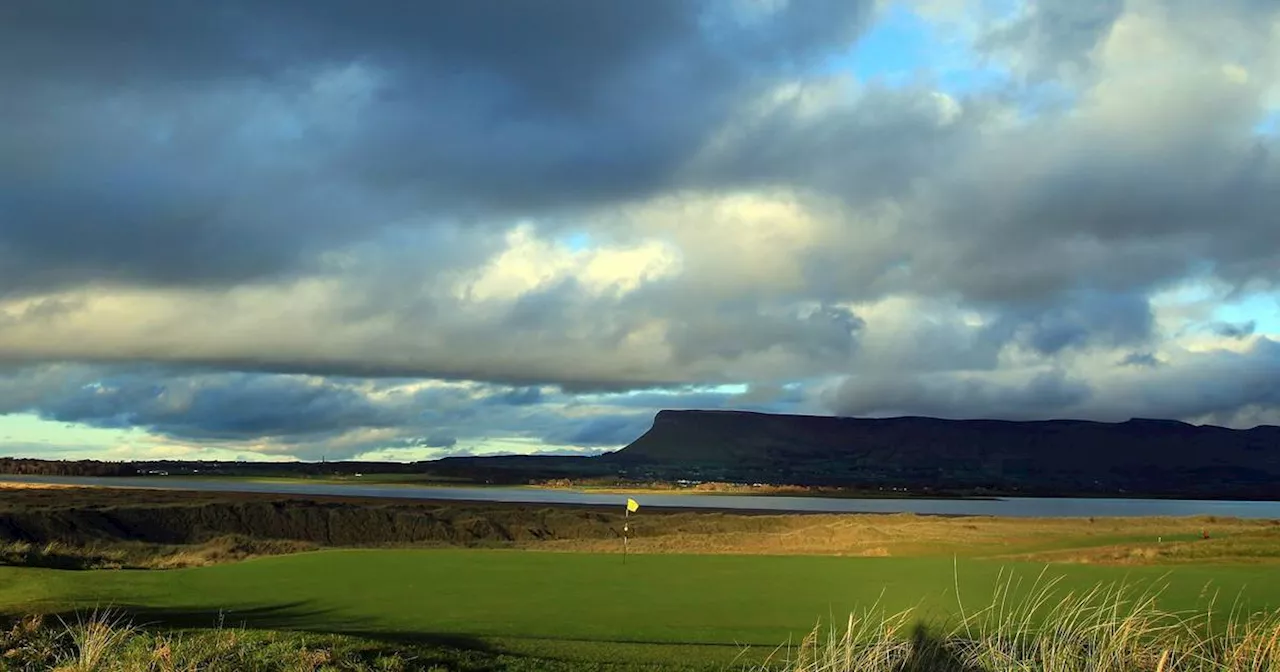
[{"x": 33, "y": 467}]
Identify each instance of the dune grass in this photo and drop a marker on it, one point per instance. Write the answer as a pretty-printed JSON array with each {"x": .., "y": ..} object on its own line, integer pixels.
[
  {"x": 1104, "y": 628},
  {"x": 581, "y": 606},
  {"x": 104, "y": 641}
]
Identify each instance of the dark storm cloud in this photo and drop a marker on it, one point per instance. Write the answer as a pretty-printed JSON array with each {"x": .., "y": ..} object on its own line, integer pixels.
[
  {"x": 310, "y": 417},
  {"x": 602, "y": 431},
  {"x": 942, "y": 345},
  {"x": 221, "y": 406},
  {"x": 519, "y": 396},
  {"x": 1140, "y": 359},
  {"x": 440, "y": 442},
  {"x": 1236, "y": 330},
  {"x": 561, "y": 52},
  {"x": 1062, "y": 265},
  {"x": 209, "y": 143},
  {"x": 1240, "y": 389},
  {"x": 1056, "y": 34},
  {"x": 1120, "y": 222},
  {"x": 734, "y": 329},
  {"x": 587, "y": 377},
  {"x": 562, "y": 48},
  {"x": 1113, "y": 320},
  {"x": 862, "y": 153},
  {"x": 1225, "y": 387},
  {"x": 1043, "y": 395},
  {"x": 433, "y": 441}
]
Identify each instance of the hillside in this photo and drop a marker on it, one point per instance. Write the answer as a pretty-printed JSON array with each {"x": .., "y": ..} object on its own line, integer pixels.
[{"x": 1151, "y": 457}]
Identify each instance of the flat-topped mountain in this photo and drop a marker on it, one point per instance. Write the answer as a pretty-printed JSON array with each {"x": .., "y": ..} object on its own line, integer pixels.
[
  {"x": 1136, "y": 458},
  {"x": 1139, "y": 455}
]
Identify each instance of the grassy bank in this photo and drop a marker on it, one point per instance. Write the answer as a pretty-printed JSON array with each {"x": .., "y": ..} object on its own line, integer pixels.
[
  {"x": 118, "y": 554},
  {"x": 117, "y": 528}
]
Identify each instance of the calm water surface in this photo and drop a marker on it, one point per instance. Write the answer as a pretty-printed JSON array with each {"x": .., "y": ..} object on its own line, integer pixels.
[{"x": 1053, "y": 507}]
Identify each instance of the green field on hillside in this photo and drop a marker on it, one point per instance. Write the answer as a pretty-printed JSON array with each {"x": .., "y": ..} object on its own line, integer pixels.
[{"x": 579, "y": 602}]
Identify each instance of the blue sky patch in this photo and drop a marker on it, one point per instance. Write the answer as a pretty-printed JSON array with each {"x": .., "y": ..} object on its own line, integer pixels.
[
  {"x": 1263, "y": 309},
  {"x": 903, "y": 46}
]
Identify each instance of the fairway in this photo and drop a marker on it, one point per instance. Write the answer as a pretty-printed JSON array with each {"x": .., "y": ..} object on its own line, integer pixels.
[{"x": 572, "y": 597}]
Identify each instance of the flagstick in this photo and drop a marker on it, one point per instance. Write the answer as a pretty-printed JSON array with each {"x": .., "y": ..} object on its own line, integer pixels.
[{"x": 625, "y": 529}]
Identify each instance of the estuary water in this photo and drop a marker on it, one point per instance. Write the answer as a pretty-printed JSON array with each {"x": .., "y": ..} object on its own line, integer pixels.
[{"x": 1039, "y": 507}]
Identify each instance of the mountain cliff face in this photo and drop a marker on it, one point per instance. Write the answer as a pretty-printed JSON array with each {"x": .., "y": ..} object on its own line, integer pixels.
[{"x": 1154, "y": 457}]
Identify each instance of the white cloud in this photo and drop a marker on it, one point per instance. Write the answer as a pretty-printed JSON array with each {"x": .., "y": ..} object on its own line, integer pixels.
[{"x": 530, "y": 263}]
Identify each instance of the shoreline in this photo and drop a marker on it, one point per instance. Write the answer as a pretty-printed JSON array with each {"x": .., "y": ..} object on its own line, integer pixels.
[{"x": 761, "y": 505}]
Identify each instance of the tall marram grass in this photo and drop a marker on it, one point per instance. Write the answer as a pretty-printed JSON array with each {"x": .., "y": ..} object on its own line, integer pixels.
[
  {"x": 94, "y": 638},
  {"x": 1107, "y": 628},
  {"x": 106, "y": 641}
]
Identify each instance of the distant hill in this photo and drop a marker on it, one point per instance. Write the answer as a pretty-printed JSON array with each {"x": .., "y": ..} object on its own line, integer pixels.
[
  {"x": 1137, "y": 458},
  {"x": 1152, "y": 457}
]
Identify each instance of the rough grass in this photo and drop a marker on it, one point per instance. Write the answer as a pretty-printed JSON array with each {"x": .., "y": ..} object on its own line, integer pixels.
[
  {"x": 1262, "y": 545},
  {"x": 1101, "y": 540},
  {"x": 1127, "y": 542},
  {"x": 137, "y": 555}
]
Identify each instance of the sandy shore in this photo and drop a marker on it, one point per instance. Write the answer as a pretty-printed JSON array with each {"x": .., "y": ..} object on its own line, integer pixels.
[{"x": 15, "y": 485}]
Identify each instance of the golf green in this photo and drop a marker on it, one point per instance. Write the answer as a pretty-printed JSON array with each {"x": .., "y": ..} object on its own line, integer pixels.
[{"x": 692, "y": 599}]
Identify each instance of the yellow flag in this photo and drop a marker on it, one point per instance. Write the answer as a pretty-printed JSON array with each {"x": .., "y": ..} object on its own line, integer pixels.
[{"x": 632, "y": 505}]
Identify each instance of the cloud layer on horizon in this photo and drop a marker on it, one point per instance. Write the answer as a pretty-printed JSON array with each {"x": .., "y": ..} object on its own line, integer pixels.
[{"x": 404, "y": 231}]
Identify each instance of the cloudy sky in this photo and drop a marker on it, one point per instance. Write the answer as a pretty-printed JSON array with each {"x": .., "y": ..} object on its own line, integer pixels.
[{"x": 266, "y": 229}]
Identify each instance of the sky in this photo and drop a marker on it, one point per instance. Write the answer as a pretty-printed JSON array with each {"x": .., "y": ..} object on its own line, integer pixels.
[{"x": 270, "y": 230}]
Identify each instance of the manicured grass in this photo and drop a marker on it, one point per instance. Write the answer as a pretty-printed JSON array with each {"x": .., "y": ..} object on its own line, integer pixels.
[{"x": 553, "y": 601}]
